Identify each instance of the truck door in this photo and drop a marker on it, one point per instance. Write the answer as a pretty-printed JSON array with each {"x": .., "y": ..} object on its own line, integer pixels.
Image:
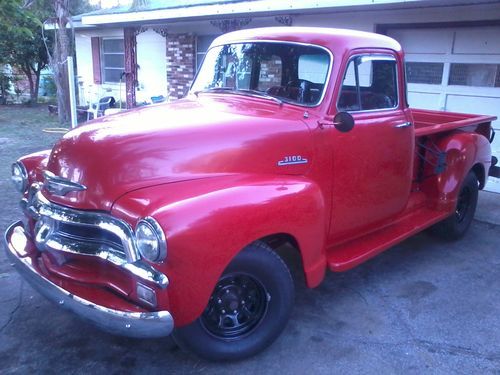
[{"x": 372, "y": 163}]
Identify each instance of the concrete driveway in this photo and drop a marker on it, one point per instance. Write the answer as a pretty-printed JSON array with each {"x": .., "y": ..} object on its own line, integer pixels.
[{"x": 422, "y": 307}]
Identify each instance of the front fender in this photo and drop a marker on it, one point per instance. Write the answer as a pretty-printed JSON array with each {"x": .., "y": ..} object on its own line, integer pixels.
[
  {"x": 207, "y": 222},
  {"x": 35, "y": 163}
]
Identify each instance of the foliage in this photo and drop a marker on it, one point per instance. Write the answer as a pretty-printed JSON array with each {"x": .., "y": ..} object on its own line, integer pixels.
[
  {"x": 23, "y": 45},
  {"x": 47, "y": 86}
]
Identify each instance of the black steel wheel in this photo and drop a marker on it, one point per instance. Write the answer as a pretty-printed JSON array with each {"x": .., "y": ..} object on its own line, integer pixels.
[
  {"x": 455, "y": 226},
  {"x": 236, "y": 307},
  {"x": 248, "y": 309}
]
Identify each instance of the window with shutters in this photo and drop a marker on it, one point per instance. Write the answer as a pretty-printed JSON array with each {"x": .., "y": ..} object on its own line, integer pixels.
[{"x": 112, "y": 59}]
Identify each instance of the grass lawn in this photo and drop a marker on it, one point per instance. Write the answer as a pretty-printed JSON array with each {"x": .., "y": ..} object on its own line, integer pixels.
[
  {"x": 21, "y": 129},
  {"x": 21, "y": 133}
]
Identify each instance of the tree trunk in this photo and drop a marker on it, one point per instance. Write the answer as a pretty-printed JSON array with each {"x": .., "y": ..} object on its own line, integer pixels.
[
  {"x": 58, "y": 60},
  {"x": 27, "y": 72},
  {"x": 37, "y": 73}
]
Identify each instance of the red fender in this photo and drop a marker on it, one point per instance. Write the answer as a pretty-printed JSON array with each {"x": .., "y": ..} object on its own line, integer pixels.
[
  {"x": 463, "y": 150},
  {"x": 207, "y": 222},
  {"x": 35, "y": 163}
]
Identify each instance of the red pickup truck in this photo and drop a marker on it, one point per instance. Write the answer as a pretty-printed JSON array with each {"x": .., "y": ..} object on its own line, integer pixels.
[{"x": 167, "y": 219}]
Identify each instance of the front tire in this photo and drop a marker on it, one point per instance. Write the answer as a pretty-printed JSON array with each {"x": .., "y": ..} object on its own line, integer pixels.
[
  {"x": 248, "y": 309},
  {"x": 455, "y": 226}
]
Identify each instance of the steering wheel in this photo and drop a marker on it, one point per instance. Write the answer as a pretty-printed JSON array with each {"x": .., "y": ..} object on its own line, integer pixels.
[{"x": 304, "y": 90}]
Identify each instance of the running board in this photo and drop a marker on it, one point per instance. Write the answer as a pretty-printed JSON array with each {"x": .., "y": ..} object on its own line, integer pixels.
[{"x": 350, "y": 254}]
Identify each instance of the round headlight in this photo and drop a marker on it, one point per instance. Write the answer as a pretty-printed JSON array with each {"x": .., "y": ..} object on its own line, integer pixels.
[
  {"x": 150, "y": 240},
  {"x": 19, "y": 176}
]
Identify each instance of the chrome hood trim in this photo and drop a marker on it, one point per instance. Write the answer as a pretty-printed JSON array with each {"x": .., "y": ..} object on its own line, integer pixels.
[{"x": 60, "y": 186}]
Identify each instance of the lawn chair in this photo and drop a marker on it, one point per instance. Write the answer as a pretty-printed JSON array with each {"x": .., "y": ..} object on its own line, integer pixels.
[{"x": 97, "y": 109}]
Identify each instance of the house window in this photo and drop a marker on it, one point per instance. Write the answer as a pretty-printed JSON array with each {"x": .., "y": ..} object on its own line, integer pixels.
[
  {"x": 424, "y": 72},
  {"x": 479, "y": 75},
  {"x": 202, "y": 44},
  {"x": 113, "y": 59}
]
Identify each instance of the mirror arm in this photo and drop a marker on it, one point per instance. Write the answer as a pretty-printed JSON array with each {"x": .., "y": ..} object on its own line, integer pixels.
[{"x": 327, "y": 121}]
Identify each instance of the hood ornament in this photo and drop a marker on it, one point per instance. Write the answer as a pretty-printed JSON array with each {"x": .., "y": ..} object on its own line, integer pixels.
[{"x": 60, "y": 186}]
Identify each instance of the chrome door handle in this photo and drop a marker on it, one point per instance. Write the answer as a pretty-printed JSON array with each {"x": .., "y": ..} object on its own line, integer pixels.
[{"x": 403, "y": 125}]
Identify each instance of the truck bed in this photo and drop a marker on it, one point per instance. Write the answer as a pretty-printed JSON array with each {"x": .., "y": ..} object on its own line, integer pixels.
[{"x": 428, "y": 122}]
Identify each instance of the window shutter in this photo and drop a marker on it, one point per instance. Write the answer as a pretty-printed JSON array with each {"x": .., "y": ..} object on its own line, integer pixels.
[{"x": 96, "y": 59}]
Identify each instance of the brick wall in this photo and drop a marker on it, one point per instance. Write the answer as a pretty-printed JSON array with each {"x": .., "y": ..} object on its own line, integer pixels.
[
  {"x": 270, "y": 73},
  {"x": 180, "y": 64}
]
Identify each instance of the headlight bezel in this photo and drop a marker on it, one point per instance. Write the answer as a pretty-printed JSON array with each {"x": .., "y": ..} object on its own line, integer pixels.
[
  {"x": 22, "y": 184},
  {"x": 161, "y": 240}
]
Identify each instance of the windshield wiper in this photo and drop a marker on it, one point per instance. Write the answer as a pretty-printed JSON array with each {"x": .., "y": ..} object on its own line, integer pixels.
[
  {"x": 216, "y": 89},
  {"x": 261, "y": 95},
  {"x": 247, "y": 92}
]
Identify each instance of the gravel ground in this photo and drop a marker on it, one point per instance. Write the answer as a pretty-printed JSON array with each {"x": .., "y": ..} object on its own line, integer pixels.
[{"x": 422, "y": 307}]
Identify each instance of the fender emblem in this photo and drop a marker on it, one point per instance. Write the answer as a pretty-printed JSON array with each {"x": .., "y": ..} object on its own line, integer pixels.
[
  {"x": 60, "y": 186},
  {"x": 292, "y": 160}
]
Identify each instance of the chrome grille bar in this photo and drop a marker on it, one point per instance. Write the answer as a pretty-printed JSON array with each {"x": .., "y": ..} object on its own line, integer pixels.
[
  {"x": 105, "y": 222},
  {"x": 117, "y": 246}
]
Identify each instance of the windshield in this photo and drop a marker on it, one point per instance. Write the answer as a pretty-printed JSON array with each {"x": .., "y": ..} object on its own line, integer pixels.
[{"x": 289, "y": 72}]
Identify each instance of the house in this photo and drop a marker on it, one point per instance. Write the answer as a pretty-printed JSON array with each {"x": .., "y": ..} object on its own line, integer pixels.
[
  {"x": 452, "y": 46},
  {"x": 134, "y": 54}
]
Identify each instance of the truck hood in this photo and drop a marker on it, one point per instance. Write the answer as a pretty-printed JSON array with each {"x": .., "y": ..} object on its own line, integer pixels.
[{"x": 183, "y": 140}]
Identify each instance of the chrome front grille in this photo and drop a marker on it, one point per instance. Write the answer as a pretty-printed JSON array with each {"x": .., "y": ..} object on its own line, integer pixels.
[
  {"x": 93, "y": 235},
  {"x": 101, "y": 235},
  {"x": 76, "y": 231}
]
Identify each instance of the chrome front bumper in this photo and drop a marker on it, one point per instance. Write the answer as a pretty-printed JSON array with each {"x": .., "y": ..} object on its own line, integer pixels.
[{"x": 131, "y": 324}]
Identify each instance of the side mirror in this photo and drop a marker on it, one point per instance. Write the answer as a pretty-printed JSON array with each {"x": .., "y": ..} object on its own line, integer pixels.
[{"x": 343, "y": 122}]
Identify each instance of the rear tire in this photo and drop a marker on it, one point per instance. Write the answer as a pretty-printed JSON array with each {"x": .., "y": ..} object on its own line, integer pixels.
[
  {"x": 455, "y": 226},
  {"x": 249, "y": 308}
]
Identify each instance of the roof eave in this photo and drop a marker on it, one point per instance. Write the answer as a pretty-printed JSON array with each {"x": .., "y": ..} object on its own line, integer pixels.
[{"x": 254, "y": 8}]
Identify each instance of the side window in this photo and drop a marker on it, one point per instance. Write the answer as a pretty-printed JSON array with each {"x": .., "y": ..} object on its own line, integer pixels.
[{"x": 370, "y": 83}]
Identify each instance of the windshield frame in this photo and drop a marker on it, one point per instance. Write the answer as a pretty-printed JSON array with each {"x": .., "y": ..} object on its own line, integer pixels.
[{"x": 242, "y": 41}]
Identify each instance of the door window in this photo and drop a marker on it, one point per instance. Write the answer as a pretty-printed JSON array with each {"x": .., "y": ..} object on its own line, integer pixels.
[{"x": 370, "y": 83}]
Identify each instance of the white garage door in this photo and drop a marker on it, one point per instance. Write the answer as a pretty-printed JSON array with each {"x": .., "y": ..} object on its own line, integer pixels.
[{"x": 455, "y": 69}]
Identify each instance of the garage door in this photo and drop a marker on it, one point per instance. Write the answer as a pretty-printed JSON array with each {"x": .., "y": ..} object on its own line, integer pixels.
[{"x": 454, "y": 69}]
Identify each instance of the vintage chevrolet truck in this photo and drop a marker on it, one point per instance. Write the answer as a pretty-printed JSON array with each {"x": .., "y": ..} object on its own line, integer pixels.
[{"x": 167, "y": 219}]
